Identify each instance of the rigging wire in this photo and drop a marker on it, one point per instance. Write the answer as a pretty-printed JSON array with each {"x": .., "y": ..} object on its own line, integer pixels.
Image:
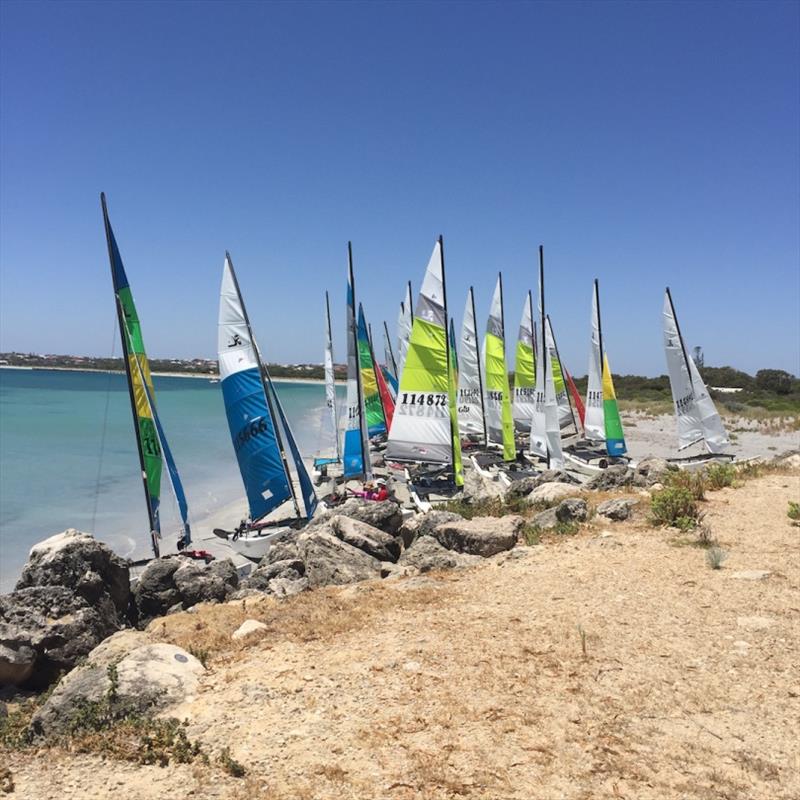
[{"x": 103, "y": 432}]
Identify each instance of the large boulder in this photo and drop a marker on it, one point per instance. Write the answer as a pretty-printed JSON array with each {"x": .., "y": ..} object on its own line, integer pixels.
[
  {"x": 524, "y": 486},
  {"x": 261, "y": 577},
  {"x": 613, "y": 477},
  {"x": 385, "y": 516},
  {"x": 427, "y": 554},
  {"x": 617, "y": 510},
  {"x": 177, "y": 581},
  {"x": 652, "y": 470},
  {"x": 78, "y": 561},
  {"x": 46, "y": 630},
  {"x": 424, "y": 525},
  {"x": 329, "y": 560},
  {"x": 371, "y": 540},
  {"x": 550, "y": 492},
  {"x": 149, "y": 677},
  {"x": 480, "y": 536},
  {"x": 479, "y": 489},
  {"x": 573, "y": 509},
  {"x": 545, "y": 520}
]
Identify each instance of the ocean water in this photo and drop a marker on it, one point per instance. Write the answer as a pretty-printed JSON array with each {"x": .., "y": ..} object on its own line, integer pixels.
[{"x": 68, "y": 457}]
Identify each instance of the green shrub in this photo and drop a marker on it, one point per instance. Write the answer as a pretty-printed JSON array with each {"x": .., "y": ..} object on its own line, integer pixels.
[
  {"x": 531, "y": 533},
  {"x": 720, "y": 475},
  {"x": 693, "y": 481},
  {"x": 675, "y": 506},
  {"x": 715, "y": 555},
  {"x": 230, "y": 764},
  {"x": 794, "y": 512}
]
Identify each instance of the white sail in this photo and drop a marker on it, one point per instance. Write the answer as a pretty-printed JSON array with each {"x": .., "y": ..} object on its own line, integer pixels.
[
  {"x": 236, "y": 350},
  {"x": 405, "y": 320},
  {"x": 538, "y": 442},
  {"x": 470, "y": 381},
  {"x": 565, "y": 416},
  {"x": 714, "y": 432},
  {"x": 594, "y": 422},
  {"x": 552, "y": 409},
  {"x": 329, "y": 428},
  {"x": 493, "y": 399},
  {"x": 421, "y": 429},
  {"x": 687, "y": 414},
  {"x": 524, "y": 395}
]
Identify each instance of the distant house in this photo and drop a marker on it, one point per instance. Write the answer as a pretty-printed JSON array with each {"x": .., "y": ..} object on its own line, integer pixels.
[{"x": 726, "y": 389}]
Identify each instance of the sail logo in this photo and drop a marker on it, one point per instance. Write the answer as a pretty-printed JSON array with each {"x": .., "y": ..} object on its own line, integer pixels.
[{"x": 236, "y": 341}]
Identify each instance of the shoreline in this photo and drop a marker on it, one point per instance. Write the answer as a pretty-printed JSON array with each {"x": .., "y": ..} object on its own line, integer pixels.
[{"x": 210, "y": 376}]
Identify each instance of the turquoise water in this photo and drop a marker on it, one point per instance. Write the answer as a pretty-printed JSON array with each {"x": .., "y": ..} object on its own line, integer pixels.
[{"x": 68, "y": 456}]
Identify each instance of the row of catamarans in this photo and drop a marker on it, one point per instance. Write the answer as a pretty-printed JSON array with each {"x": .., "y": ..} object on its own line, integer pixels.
[{"x": 422, "y": 411}]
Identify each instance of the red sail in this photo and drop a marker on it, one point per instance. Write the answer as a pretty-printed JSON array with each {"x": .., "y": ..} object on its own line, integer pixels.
[
  {"x": 575, "y": 396},
  {"x": 386, "y": 397}
]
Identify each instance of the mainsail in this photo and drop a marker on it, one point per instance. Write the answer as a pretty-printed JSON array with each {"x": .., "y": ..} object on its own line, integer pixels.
[
  {"x": 405, "y": 320},
  {"x": 249, "y": 405},
  {"x": 524, "y": 371},
  {"x": 329, "y": 452},
  {"x": 356, "y": 445},
  {"x": 552, "y": 409},
  {"x": 566, "y": 417},
  {"x": 471, "y": 420},
  {"x": 499, "y": 422},
  {"x": 424, "y": 428},
  {"x": 376, "y": 419},
  {"x": 150, "y": 439},
  {"x": 695, "y": 412},
  {"x": 390, "y": 364}
]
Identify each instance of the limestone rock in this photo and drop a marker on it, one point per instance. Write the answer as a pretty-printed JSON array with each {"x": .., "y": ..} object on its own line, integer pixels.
[
  {"x": 248, "y": 627},
  {"x": 617, "y": 510},
  {"x": 155, "y": 592},
  {"x": 550, "y": 493},
  {"x": 150, "y": 677},
  {"x": 652, "y": 470},
  {"x": 386, "y": 515},
  {"x": 613, "y": 477},
  {"x": 524, "y": 486},
  {"x": 371, "y": 540},
  {"x": 572, "y": 509},
  {"x": 329, "y": 560},
  {"x": 281, "y": 588},
  {"x": 480, "y": 536},
  {"x": 478, "y": 489},
  {"x": 752, "y": 574},
  {"x": 546, "y": 519},
  {"x": 427, "y": 554},
  {"x": 288, "y": 568},
  {"x": 424, "y": 524}
]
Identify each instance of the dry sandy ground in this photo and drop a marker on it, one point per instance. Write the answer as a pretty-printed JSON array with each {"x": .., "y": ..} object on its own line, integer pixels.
[{"x": 601, "y": 665}]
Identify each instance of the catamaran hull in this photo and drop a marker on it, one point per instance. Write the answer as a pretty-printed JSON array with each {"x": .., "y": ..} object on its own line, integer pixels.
[
  {"x": 253, "y": 544},
  {"x": 701, "y": 460}
]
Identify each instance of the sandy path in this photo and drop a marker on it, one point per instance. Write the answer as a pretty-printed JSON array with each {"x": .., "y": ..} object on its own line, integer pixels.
[{"x": 475, "y": 684}]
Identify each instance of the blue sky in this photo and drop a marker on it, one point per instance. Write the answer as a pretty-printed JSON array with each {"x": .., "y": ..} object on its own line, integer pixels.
[{"x": 645, "y": 144}]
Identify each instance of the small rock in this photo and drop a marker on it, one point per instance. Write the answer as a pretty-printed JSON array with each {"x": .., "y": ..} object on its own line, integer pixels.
[
  {"x": 546, "y": 519},
  {"x": 412, "y": 666},
  {"x": 751, "y": 574},
  {"x": 572, "y": 510},
  {"x": 248, "y": 627},
  {"x": 754, "y": 623},
  {"x": 550, "y": 493},
  {"x": 424, "y": 524},
  {"x": 613, "y": 477},
  {"x": 427, "y": 554},
  {"x": 617, "y": 510}
]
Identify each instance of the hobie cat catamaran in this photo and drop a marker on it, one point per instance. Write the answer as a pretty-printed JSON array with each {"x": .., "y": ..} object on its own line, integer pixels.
[
  {"x": 258, "y": 427},
  {"x": 471, "y": 413},
  {"x": 425, "y": 426},
  {"x": 328, "y": 452},
  {"x": 695, "y": 411},
  {"x": 150, "y": 439}
]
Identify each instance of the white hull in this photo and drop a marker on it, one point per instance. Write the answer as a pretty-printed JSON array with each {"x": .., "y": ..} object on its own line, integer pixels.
[{"x": 255, "y": 544}]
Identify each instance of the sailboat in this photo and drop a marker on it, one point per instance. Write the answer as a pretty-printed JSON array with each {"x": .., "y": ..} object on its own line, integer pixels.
[
  {"x": 390, "y": 364},
  {"x": 424, "y": 431},
  {"x": 525, "y": 370},
  {"x": 329, "y": 452},
  {"x": 377, "y": 397},
  {"x": 356, "y": 440},
  {"x": 695, "y": 412},
  {"x": 605, "y": 440},
  {"x": 545, "y": 441},
  {"x": 151, "y": 442},
  {"x": 259, "y": 428},
  {"x": 566, "y": 416},
  {"x": 499, "y": 421},
  {"x": 471, "y": 414},
  {"x": 405, "y": 320}
]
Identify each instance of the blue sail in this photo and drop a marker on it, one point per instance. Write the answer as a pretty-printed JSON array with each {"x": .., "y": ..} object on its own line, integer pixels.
[
  {"x": 390, "y": 379},
  {"x": 254, "y": 441},
  {"x": 306, "y": 487},
  {"x": 354, "y": 463}
]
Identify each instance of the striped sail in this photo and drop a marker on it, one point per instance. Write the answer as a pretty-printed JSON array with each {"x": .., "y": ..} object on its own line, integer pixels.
[
  {"x": 376, "y": 420},
  {"x": 524, "y": 371},
  {"x": 250, "y": 420},
  {"x": 499, "y": 421},
  {"x": 470, "y": 382},
  {"x": 614, "y": 437},
  {"x": 329, "y": 428},
  {"x": 153, "y": 447},
  {"x": 422, "y": 426},
  {"x": 695, "y": 412},
  {"x": 356, "y": 448}
]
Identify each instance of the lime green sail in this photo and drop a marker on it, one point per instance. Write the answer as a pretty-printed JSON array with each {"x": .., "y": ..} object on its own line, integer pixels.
[
  {"x": 376, "y": 420},
  {"x": 500, "y": 423},
  {"x": 525, "y": 371}
]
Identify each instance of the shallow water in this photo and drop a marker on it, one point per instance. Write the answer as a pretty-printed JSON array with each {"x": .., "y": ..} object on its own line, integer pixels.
[{"x": 68, "y": 456}]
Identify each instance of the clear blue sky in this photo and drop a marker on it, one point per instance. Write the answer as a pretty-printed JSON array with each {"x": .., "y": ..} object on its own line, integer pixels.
[{"x": 645, "y": 144}]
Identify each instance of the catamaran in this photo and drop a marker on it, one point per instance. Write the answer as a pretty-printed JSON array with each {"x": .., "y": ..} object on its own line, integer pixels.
[
  {"x": 259, "y": 428},
  {"x": 424, "y": 431},
  {"x": 604, "y": 437},
  {"x": 329, "y": 452},
  {"x": 377, "y": 397},
  {"x": 525, "y": 370},
  {"x": 151, "y": 442},
  {"x": 471, "y": 412},
  {"x": 499, "y": 421},
  {"x": 695, "y": 412}
]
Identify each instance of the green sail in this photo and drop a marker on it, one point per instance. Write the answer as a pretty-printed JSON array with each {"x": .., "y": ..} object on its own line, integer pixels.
[{"x": 498, "y": 388}]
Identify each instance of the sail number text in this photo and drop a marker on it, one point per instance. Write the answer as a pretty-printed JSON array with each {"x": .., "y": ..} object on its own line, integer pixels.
[{"x": 250, "y": 430}]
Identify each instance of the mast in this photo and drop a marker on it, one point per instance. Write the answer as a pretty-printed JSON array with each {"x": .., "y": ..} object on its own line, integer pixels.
[
  {"x": 362, "y": 422},
  {"x": 262, "y": 369},
  {"x": 411, "y": 300},
  {"x": 544, "y": 335},
  {"x": 680, "y": 339},
  {"x": 599, "y": 323},
  {"x": 480, "y": 376},
  {"x": 447, "y": 350},
  {"x": 333, "y": 410},
  {"x": 129, "y": 377},
  {"x": 391, "y": 351}
]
